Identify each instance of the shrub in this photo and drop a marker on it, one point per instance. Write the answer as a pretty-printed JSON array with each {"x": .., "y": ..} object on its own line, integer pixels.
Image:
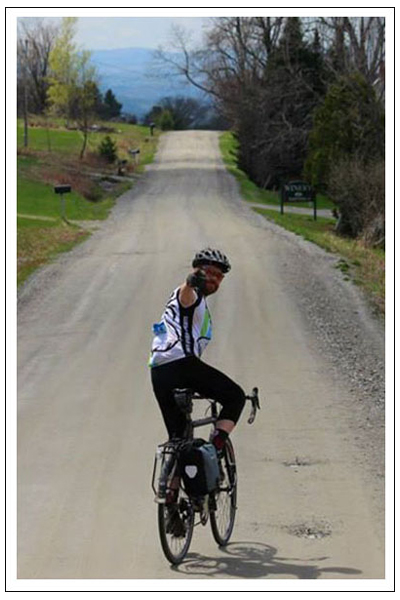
[
  {"x": 358, "y": 190},
  {"x": 108, "y": 149}
]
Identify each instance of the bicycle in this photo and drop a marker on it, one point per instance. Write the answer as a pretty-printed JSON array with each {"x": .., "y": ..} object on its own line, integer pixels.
[{"x": 175, "y": 505}]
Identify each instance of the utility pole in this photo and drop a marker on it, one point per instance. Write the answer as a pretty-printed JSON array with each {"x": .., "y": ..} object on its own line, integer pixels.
[{"x": 26, "y": 95}]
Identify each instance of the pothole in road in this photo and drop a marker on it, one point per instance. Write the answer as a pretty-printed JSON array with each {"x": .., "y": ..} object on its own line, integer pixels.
[
  {"x": 315, "y": 531},
  {"x": 299, "y": 462}
]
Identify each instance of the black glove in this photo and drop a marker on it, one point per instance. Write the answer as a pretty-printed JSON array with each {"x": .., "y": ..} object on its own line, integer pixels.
[{"x": 197, "y": 280}]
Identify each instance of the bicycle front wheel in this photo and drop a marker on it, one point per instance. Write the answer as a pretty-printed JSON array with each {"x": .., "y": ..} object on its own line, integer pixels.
[
  {"x": 222, "y": 517},
  {"x": 175, "y": 526}
]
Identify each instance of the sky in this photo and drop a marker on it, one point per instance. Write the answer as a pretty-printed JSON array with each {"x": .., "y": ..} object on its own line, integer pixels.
[{"x": 106, "y": 33}]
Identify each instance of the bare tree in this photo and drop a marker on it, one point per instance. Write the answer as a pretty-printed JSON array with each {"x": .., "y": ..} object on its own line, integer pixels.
[
  {"x": 234, "y": 57},
  {"x": 35, "y": 43},
  {"x": 355, "y": 44}
]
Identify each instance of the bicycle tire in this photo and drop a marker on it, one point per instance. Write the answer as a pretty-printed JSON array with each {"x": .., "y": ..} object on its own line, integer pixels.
[
  {"x": 175, "y": 548},
  {"x": 222, "y": 518}
]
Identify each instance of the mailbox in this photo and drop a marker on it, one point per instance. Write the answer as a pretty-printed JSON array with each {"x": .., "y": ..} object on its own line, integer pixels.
[{"x": 62, "y": 189}]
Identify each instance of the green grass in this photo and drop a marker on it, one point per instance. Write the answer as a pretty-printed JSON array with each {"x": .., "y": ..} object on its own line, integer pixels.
[
  {"x": 52, "y": 140},
  {"x": 249, "y": 190},
  {"x": 365, "y": 266},
  {"x": 36, "y": 198}
]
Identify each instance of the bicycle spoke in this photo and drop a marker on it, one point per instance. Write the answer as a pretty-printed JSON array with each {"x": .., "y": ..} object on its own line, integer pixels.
[
  {"x": 223, "y": 517},
  {"x": 175, "y": 519}
]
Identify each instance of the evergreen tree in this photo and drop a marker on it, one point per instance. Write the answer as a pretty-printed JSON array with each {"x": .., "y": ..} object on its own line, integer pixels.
[
  {"x": 111, "y": 107},
  {"x": 108, "y": 149}
]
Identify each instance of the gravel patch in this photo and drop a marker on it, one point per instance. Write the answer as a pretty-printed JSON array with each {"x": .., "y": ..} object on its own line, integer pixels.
[{"x": 310, "y": 531}]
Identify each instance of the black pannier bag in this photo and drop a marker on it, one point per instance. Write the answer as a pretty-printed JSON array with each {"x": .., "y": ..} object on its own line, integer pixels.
[{"x": 198, "y": 464}]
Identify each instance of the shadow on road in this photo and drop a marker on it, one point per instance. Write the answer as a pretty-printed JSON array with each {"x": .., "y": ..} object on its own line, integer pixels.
[{"x": 253, "y": 560}]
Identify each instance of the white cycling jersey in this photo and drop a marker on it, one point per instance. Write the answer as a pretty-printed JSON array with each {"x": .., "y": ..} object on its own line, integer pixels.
[{"x": 182, "y": 331}]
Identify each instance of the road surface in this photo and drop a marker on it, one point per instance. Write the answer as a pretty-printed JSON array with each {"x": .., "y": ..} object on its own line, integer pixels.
[{"x": 88, "y": 424}]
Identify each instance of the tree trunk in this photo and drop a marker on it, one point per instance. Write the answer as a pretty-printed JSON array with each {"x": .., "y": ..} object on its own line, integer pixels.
[{"x": 85, "y": 138}]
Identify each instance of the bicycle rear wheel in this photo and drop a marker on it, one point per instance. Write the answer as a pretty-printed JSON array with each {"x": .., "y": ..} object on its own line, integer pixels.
[
  {"x": 222, "y": 518},
  {"x": 175, "y": 526}
]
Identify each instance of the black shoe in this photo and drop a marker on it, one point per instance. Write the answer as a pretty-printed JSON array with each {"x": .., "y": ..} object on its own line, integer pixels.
[{"x": 175, "y": 525}]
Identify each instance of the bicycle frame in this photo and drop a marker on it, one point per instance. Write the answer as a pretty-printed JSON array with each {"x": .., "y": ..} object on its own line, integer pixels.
[{"x": 169, "y": 450}]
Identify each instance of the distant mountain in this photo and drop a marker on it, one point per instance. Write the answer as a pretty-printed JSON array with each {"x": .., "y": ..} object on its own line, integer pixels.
[{"x": 131, "y": 74}]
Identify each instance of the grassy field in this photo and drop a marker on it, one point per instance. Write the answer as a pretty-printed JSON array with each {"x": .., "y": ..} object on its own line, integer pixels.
[
  {"x": 365, "y": 266},
  {"x": 46, "y": 225},
  {"x": 250, "y": 191},
  {"x": 56, "y": 139}
]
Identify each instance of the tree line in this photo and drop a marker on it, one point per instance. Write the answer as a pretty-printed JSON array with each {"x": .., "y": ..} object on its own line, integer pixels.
[{"x": 305, "y": 99}]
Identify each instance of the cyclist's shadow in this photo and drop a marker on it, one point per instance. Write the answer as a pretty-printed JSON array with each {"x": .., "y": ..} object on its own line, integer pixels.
[{"x": 253, "y": 560}]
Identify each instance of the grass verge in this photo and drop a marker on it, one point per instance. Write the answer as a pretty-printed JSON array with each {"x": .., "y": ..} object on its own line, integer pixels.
[{"x": 365, "y": 266}]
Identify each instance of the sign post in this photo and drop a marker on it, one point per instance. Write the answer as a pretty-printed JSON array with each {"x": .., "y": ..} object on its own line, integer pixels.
[
  {"x": 298, "y": 191},
  {"x": 62, "y": 189}
]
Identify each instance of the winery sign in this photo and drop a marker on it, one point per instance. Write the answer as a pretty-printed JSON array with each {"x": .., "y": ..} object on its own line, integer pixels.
[{"x": 298, "y": 191}]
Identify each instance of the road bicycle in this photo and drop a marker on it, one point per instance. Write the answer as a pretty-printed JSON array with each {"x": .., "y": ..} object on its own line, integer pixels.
[{"x": 175, "y": 504}]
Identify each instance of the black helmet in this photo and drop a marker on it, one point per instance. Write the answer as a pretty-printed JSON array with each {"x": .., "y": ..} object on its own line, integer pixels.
[{"x": 209, "y": 256}]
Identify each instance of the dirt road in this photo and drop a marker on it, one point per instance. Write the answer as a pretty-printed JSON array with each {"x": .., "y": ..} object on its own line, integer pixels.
[{"x": 88, "y": 424}]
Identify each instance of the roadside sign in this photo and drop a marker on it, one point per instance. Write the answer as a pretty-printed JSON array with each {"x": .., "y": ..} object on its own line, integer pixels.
[{"x": 298, "y": 191}]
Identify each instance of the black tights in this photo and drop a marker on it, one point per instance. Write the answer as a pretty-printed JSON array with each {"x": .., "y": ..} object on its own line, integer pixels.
[{"x": 192, "y": 373}]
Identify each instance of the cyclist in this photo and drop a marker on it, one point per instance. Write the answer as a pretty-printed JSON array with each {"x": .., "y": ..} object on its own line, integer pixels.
[{"x": 180, "y": 339}]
